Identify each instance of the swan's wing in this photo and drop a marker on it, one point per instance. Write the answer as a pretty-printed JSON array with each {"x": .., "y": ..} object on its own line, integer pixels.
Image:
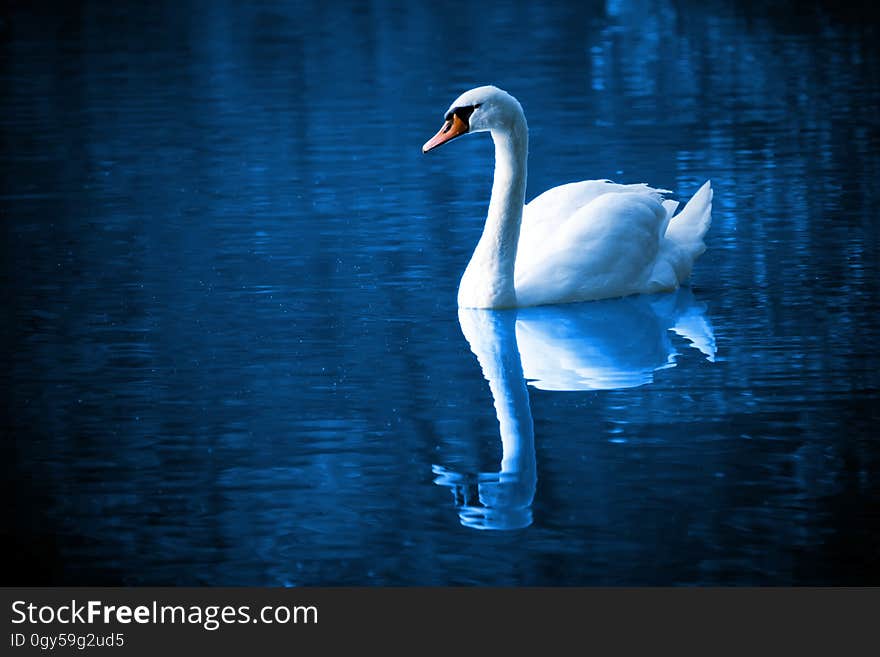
[
  {"x": 547, "y": 212},
  {"x": 605, "y": 249}
]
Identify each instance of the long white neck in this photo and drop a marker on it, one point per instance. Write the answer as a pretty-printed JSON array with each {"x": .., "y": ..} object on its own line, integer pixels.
[{"x": 488, "y": 281}]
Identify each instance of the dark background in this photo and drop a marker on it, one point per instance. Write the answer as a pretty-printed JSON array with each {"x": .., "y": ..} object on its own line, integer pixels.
[{"x": 231, "y": 346}]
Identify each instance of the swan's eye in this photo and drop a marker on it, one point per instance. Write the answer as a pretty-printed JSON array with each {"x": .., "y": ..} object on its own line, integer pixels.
[{"x": 464, "y": 113}]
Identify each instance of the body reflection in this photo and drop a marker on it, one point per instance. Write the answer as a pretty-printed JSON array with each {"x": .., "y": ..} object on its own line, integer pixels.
[
  {"x": 607, "y": 345},
  {"x": 600, "y": 345}
]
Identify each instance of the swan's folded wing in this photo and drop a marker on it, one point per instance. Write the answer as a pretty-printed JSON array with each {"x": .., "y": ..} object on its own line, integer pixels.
[
  {"x": 605, "y": 249},
  {"x": 545, "y": 213}
]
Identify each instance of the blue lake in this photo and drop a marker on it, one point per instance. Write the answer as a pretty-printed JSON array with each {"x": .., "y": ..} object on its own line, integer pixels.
[{"x": 233, "y": 352}]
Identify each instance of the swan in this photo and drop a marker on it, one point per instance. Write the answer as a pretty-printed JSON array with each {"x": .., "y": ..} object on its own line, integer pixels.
[{"x": 582, "y": 241}]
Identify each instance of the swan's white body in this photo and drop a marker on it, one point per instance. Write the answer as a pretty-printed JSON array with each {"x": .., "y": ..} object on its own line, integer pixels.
[{"x": 577, "y": 242}]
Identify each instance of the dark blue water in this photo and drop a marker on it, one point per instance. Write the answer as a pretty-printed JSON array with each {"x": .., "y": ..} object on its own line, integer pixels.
[{"x": 232, "y": 348}]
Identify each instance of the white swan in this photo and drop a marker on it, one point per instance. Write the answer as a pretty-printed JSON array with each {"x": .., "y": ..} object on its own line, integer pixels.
[{"x": 577, "y": 242}]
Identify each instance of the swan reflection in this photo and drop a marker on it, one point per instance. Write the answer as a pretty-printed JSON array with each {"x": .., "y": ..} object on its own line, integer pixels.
[{"x": 599, "y": 345}]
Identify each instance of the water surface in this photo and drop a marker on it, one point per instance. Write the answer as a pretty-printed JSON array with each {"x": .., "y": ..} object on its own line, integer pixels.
[{"x": 229, "y": 277}]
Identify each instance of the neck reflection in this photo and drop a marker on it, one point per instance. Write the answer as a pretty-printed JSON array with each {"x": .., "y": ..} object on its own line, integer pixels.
[{"x": 503, "y": 499}]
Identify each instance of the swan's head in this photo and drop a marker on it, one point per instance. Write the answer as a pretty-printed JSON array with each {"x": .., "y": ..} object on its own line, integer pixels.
[{"x": 478, "y": 110}]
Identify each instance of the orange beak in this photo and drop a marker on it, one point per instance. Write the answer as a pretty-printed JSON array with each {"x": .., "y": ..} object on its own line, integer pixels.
[{"x": 453, "y": 128}]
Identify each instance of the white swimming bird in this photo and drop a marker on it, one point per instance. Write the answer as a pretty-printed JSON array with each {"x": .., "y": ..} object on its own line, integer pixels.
[{"x": 577, "y": 242}]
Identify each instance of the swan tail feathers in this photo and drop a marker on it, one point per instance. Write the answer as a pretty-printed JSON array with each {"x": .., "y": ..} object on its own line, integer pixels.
[
  {"x": 670, "y": 206},
  {"x": 689, "y": 226}
]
